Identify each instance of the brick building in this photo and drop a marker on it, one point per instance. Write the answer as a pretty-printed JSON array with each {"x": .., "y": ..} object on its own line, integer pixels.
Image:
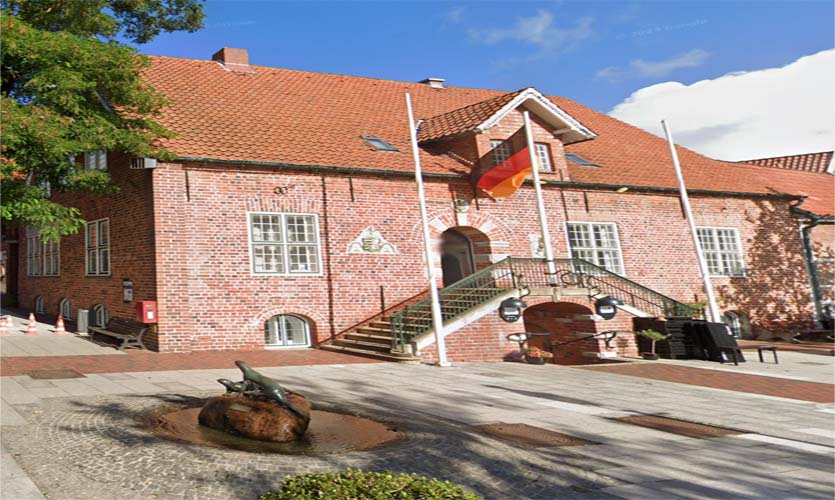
[{"x": 290, "y": 218}]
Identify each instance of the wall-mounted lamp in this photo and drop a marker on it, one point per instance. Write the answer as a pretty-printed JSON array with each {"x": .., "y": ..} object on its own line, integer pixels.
[
  {"x": 606, "y": 307},
  {"x": 622, "y": 189},
  {"x": 510, "y": 309}
]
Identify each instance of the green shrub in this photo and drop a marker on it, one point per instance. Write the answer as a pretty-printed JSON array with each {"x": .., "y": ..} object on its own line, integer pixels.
[{"x": 359, "y": 485}]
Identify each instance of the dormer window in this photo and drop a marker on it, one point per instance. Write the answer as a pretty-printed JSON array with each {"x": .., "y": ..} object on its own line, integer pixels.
[
  {"x": 501, "y": 151},
  {"x": 378, "y": 144},
  {"x": 543, "y": 153},
  {"x": 579, "y": 160},
  {"x": 95, "y": 160}
]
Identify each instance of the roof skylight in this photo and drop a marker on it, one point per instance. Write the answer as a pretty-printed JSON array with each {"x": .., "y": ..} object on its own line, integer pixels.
[
  {"x": 579, "y": 160},
  {"x": 379, "y": 144}
]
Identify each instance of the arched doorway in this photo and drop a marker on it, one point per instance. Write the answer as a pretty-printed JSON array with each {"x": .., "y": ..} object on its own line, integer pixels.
[
  {"x": 457, "y": 256},
  {"x": 564, "y": 322}
]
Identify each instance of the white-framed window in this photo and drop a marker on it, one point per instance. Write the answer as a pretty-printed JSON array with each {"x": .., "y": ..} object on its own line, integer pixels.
[
  {"x": 596, "y": 242},
  {"x": 51, "y": 258},
  {"x": 95, "y": 160},
  {"x": 286, "y": 330},
  {"x": 33, "y": 254},
  {"x": 97, "y": 242},
  {"x": 284, "y": 243},
  {"x": 65, "y": 309},
  {"x": 501, "y": 151},
  {"x": 543, "y": 154},
  {"x": 722, "y": 251},
  {"x": 100, "y": 316},
  {"x": 39, "y": 305}
]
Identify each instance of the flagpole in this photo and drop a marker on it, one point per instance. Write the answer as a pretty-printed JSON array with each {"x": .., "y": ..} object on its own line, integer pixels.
[
  {"x": 713, "y": 308},
  {"x": 437, "y": 319},
  {"x": 540, "y": 204}
]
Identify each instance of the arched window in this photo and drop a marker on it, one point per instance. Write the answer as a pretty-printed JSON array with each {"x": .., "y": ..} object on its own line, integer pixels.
[
  {"x": 286, "y": 330},
  {"x": 39, "y": 308},
  {"x": 732, "y": 320},
  {"x": 65, "y": 308},
  {"x": 100, "y": 316}
]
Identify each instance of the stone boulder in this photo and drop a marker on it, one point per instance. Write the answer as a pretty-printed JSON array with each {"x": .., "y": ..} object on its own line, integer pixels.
[{"x": 258, "y": 419}]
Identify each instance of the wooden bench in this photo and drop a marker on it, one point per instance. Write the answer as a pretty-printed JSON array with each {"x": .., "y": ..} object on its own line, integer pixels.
[{"x": 129, "y": 332}]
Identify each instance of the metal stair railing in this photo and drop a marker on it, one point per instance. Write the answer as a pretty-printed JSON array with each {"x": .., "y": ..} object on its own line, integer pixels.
[
  {"x": 455, "y": 299},
  {"x": 605, "y": 282},
  {"x": 520, "y": 273}
]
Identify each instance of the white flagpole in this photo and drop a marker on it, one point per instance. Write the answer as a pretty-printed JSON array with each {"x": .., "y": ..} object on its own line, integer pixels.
[
  {"x": 437, "y": 319},
  {"x": 713, "y": 308},
  {"x": 540, "y": 204}
]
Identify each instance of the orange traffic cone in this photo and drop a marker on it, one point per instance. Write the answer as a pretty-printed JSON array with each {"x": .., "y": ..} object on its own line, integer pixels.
[
  {"x": 59, "y": 327},
  {"x": 32, "y": 327},
  {"x": 4, "y": 329}
]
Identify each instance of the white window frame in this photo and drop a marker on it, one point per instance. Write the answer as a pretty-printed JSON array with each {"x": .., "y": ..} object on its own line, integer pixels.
[
  {"x": 100, "y": 315},
  {"x": 33, "y": 254},
  {"x": 501, "y": 151},
  {"x": 543, "y": 154},
  {"x": 51, "y": 258},
  {"x": 98, "y": 223},
  {"x": 39, "y": 305},
  {"x": 740, "y": 255},
  {"x": 277, "y": 319},
  {"x": 96, "y": 160},
  {"x": 594, "y": 248},
  {"x": 285, "y": 244},
  {"x": 65, "y": 304}
]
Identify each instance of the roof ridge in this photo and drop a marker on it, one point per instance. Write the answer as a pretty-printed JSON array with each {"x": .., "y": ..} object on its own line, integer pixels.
[{"x": 359, "y": 77}]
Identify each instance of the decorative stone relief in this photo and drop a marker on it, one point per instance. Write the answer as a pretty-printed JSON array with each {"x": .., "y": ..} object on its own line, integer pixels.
[
  {"x": 537, "y": 246},
  {"x": 371, "y": 241}
]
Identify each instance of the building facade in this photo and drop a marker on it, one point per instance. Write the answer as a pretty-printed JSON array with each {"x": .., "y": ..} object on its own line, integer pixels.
[{"x": 290, "y": 218}]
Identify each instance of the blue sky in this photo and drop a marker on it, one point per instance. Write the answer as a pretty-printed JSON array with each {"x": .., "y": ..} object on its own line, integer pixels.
[
  {"x": 558, "y": 47},
  {"x": 596, "y": 52}
]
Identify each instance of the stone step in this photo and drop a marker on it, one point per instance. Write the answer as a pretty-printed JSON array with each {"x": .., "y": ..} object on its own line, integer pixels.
[
  {"x": 374, "y": 331},
  {"x": 366, "y": 337},
  {"x": 366, "y": 346},
  {"x": 409, "y": 360}
]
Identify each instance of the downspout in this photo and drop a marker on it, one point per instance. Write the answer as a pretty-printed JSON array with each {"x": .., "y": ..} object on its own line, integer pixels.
[{"x": 809, "y": 256}]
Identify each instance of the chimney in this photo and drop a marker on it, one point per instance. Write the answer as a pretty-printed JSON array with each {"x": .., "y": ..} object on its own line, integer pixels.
[
  {"x": 435, "y": 83},
  {"x": 233, "y": 59}
]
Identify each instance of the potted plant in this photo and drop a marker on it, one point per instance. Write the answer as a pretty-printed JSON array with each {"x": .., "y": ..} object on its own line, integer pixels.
[
  {"x": 654, "y": 337},
  {"x": 536, "y": 356}
]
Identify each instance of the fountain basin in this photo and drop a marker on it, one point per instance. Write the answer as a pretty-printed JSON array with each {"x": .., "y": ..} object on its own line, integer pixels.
[{"x": 328, "y": 432}]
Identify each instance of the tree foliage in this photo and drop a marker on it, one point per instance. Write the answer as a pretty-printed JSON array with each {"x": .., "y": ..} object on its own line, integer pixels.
[{"x": 68, "y": 88}]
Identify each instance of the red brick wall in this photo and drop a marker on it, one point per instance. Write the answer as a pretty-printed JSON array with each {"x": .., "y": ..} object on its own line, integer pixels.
[
  {"x": 131, "y": 245},
  {"x": 208, "y": 299}
]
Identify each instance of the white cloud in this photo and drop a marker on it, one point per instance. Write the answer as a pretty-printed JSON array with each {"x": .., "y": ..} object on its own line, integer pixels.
[
  {"x": 654, "y": 69},
  {"x": 743, "y": 115},
  {"x": 537, "y": 30},
  {"x": 454, "y": 15}
]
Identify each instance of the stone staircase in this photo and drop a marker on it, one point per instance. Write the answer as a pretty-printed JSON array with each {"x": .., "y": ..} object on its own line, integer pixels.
[
  {"x": 394, "y": 334},
  {"x": 373, "y": 340}
]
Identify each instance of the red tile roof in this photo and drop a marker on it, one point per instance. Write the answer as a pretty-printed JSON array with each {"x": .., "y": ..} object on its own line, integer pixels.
[
  {"x": 809, "y": 162},
  {"x": 304, "y": 118},
  {"x": 463, "y": 119}
]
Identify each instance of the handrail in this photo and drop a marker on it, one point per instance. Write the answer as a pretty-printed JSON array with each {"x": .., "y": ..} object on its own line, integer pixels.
[
  {"x": 520, "y": 273},
  {"x": 455, "y": 299},
  {"x": 664, "y": 305}
]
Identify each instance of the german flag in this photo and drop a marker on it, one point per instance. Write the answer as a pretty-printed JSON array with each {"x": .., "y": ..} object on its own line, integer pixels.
[{"x": 501, "y": 171}]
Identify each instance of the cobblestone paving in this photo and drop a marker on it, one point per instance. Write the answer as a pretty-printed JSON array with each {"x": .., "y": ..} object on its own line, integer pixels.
[
  {"x": 97, "y": 448},
  {"x": 93, "y": 446}
]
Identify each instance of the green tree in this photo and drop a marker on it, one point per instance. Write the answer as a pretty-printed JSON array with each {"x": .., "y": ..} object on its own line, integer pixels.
[{"x": 68, "y": 87}]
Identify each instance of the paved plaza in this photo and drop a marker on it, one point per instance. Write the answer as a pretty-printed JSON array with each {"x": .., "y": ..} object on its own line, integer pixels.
[{"x": 83, "y": 437}]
